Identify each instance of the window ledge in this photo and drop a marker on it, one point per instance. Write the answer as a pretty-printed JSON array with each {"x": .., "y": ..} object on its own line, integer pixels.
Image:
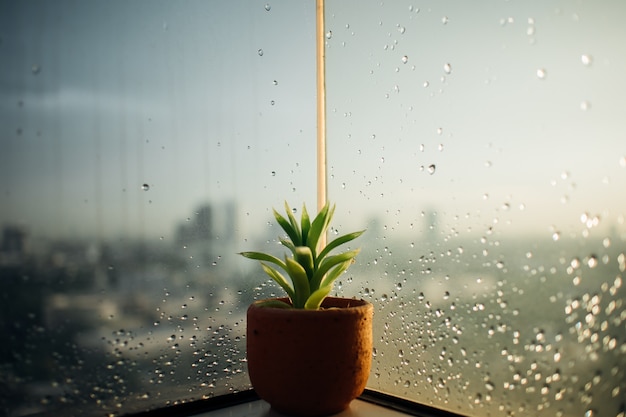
[
  {"x": 247, "y": 404},
  {"x": 259, "y": 408}
]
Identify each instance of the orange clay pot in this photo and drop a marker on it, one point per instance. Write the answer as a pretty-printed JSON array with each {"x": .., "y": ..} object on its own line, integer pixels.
[{"x": 310, "y": 362}]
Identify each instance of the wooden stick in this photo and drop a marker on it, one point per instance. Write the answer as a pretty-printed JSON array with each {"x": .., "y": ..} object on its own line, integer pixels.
[{"x": 321, "y": 107}]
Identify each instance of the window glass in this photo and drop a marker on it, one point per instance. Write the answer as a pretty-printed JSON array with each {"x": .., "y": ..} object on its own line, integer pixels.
[
  {"x": 143, "y": 144},
  {"x": 484, "y": 145}
]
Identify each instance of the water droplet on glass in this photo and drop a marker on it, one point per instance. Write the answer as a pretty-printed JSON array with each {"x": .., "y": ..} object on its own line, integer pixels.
[
  {"x": 260, "y": 52},
  {"x": 541, "y": 73},
  {"x": 445, "y": 20},
  {"x": 268, "y": 7},
  {"x": 329, "y": 34},
  {"x": 592, "y": 262},
  {"x": 585, "y": 105},
  {"x": 431, "y": 169},
  {"x": 586, "y": 59},
  {"x": 36, "y": 69},
  {"x": 275, "y": 82},
  {"x": 405, "y": 59},
  {"x": 145, "y": 187},
  {"x": 447, "y": 68}
]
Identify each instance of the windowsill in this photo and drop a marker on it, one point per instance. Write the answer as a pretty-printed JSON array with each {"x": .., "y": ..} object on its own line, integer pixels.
[
  {"x": 259, "y": 408},
  {"x": 247, "y": 404}
]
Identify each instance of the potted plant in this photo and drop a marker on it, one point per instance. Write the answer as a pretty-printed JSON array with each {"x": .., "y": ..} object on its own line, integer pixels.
[{"x": 309, "y": 354}]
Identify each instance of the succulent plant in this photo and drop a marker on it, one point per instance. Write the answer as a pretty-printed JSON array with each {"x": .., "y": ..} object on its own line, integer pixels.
[{"x": 311, "y": 267}]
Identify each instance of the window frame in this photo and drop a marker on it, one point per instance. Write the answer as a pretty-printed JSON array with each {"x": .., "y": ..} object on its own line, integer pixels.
[{"x": 388, "y": 401}]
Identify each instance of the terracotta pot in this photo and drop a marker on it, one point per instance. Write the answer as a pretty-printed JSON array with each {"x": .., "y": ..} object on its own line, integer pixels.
[{"x": 310, "y": 362}]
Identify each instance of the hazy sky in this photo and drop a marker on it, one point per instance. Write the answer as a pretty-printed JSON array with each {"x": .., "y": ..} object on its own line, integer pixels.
[
  {"x": 200, "y": 101},
  {"x": 511, "y": 112}
]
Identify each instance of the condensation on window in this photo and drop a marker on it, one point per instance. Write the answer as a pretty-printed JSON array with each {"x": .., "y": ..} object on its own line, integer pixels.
[
  {"x": 143, "y": 146},
  {"x": 484, "y": 147}
]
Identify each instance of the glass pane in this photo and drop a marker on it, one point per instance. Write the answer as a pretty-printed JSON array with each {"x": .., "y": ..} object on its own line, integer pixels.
[
  {"x": 484, "y": 148},
  {"x": 143, "y": 145}
]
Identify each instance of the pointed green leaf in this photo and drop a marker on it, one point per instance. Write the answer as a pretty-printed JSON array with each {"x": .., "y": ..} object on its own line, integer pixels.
[
  {"x": 286, "y": 226},
  {"x": 304, "y": 257},
  {"x": 279, "y": 279},
  {"x": 337, "y": 242},
  {"x": 260, "y": 256},
  {"x": 301, "y": 287},
  {"x": 318, "y": 227},
  {"x": 294, "y": 225},
  {"x": 315, "y": 300},
  {"x": 288, "y": 244},
  {"x": 328, "y": 263},
  {"x": 334, "y": 273},
  {"x": 305, "y": 223}
]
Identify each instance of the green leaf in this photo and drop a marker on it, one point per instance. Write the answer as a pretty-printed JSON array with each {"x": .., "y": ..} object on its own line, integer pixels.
[
  {"x": 305, "y": 223},
  {"x": 328, "y": 263},
  {"x": 294, "y": 225},
  {"x": 334, "y": 273},
  {"x": 279, "y": 279},
  {"x": 288, "y": 244},
  {"x": 304, "y": 257},
  {"x": 286, "y": 226},
  {"x": 318, "y": 228},
  {"x": 337, "y": 242},
  {"x": 315, "y": 300},
  {"x": 301, "y": 287},
  {"x": 260, "y": 256}
]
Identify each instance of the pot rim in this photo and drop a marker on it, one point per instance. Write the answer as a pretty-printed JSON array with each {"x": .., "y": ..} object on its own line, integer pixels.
[{"x": 330, "y": 304}]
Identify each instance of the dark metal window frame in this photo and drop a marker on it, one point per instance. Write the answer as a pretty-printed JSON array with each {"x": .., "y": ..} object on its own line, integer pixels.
[{"x": 407, "y": 407}]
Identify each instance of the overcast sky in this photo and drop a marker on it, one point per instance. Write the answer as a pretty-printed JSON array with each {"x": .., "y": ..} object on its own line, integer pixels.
[{"x": 512, "y": 112}]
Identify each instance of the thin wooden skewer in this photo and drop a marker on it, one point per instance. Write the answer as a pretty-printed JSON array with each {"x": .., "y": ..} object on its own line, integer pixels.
[{"x": 321, "y": 108}]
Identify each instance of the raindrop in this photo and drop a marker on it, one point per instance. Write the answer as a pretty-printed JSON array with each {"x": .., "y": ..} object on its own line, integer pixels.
[
  {"x": 431, "y": 169},
  {"x": 541, "y": 73},
  {"x": 445, "y": 20},
  {"x": 447, "y": 68},
  {"x": 36, "y": 69},
  {"x": 268, "y": 7},
  {"x": 260, "y": 52},
  {"x": 585, "y": 105},
  {"x": 405, "y": 59},
  {"x": 145, "y": 187},
  {"x": 592, "y": 262},
  {"x": 587, "y": 60},
  {"x": 329, "y": 34}
]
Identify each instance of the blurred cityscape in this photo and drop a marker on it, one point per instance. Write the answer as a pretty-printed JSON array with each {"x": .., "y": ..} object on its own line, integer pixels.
[
  {"x": 92, "y": 326},
  {"x": 475, "y": 325}
]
